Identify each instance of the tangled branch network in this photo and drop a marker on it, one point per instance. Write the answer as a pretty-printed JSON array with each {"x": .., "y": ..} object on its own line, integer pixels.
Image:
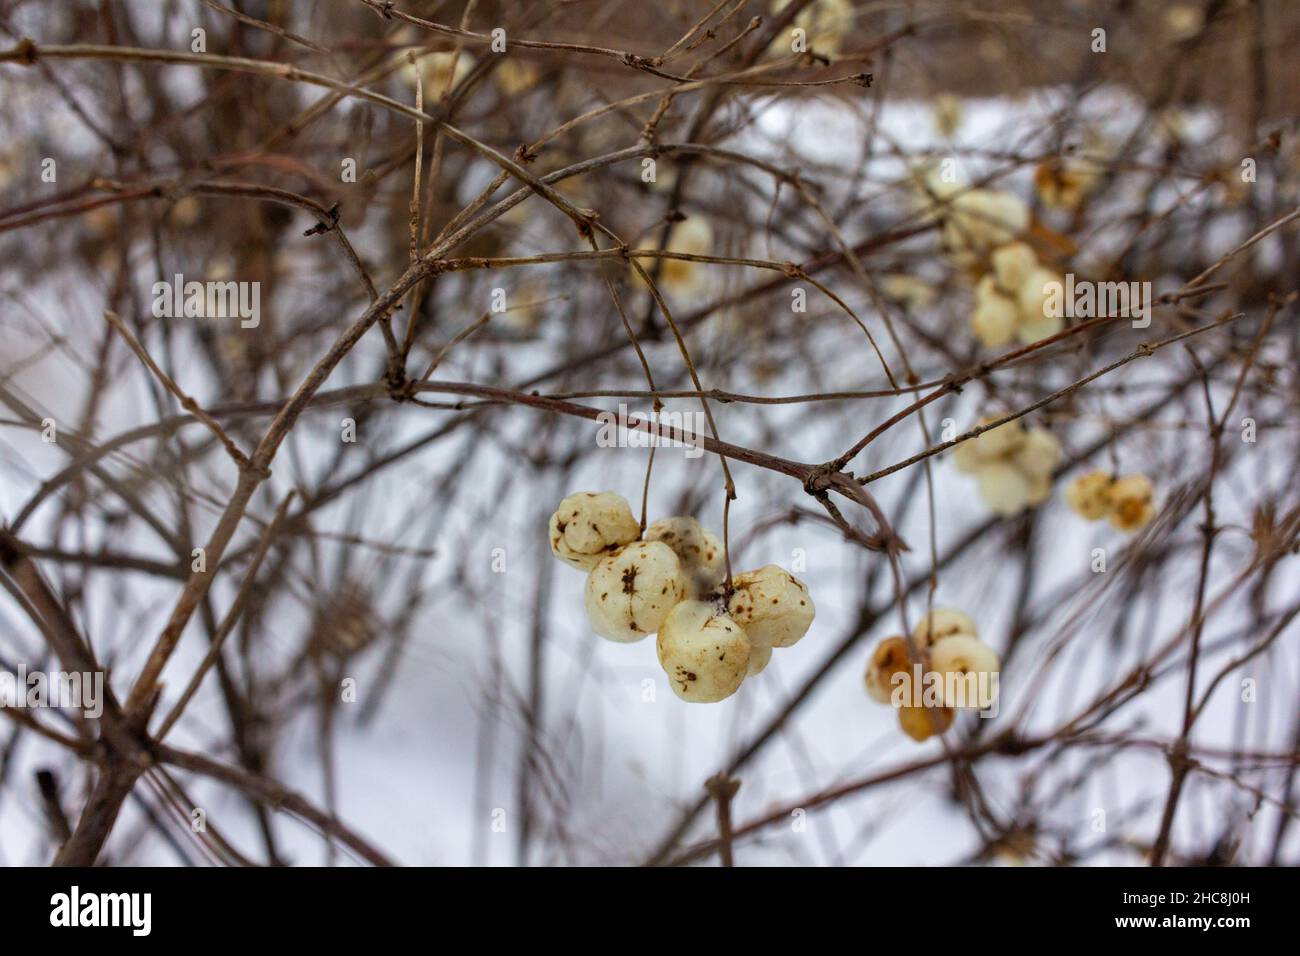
[{"x": 917, "y": 380}]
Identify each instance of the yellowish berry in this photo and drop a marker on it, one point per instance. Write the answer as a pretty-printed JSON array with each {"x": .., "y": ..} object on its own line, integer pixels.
[
  {"x": 947, "y": 114},
  {"x": 1131, "y": 505},
  {"x": 889, "y": 658},
  {"x": 825, "y": 23},
  {"x": 912, "y": 292},
  {"x": 1089, "y": 495},
  {"x": 684, "y": 277},
  {"x": 922, "y": 723},
  {"x": 515, "y": 75},
  {"x": 1040, "y": 489},
  {"x": 1064, "y": 184},
  {"x": 438, "y": 71}
]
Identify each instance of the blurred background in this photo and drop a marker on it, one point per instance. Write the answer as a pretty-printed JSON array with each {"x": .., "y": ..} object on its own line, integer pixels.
[{"x": 409, "y": 658}]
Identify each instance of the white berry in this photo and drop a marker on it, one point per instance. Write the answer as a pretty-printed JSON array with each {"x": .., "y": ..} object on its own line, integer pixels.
[
  {"x": 995, "y": 317},
  {"x": 961, "y": 655},
  {"x": 1040, "y": 310},
  {"x": 700, "y": 552},
  {"x": 1038, "y": 454},
  {"x": 1012, "y": 263},
  {"x": 630, "y": 592},
  {"x": 773, "y": 606},
  {"x": 1003, "y": 440},
  {"x": 704, "y": 653},
  {"x": 1004, "y": 488},
  {"x": 589, "y": 525},
  {"x": 980, "y": 219},
  {"x": 942, "y": 622}
]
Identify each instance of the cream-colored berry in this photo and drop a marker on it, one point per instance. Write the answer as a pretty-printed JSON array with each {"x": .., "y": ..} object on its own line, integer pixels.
[
  {"x": 758, "y": 658},
  {"x": 772, "y": 605},
  {"x": 1038, "y": 454},
  {"x": 516, "y": 76},
  {"x": 1040, "y": 298},
  {"x": 1030, "y": 331},
  {"x": 589, "y": 525},
  {"x": 1003, "y": 440},
  {"x": 1040, "y": 489},
  {"x": 1131, "y": 506},
  {"x": 995, "y": 317},
  {"x": 942, "y": 622},
  {"x": 947, "y": 114},
  {"x": 966, "y": 456},
  {"x": 980, "y": 219},
  {"x": 1012, "y": 264},
  {"x": 439, "y": 71},
  {"x": 685, "y": 277},
  {"x": 1089, "y": 495},
  {"x": 922, "y": 723},
  {"x": 704, "y": 653},
  {"x": 700, "y": 552},
  {"x": 969, "y": 668},
  {"x": 1004, "y": 488},
  {"x": 890, "y": 657},
  {"x": 630, "y": 592},
  {"x": 825, "y": 24}
]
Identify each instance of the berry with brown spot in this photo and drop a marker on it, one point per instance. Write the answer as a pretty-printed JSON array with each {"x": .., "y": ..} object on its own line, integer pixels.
[
  {"x": 704, "y": 653},
  {"x": 630, "y": 592}
]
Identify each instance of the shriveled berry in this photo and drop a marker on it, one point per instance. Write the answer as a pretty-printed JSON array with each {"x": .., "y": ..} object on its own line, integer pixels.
[{"x": 889, "y": 658}]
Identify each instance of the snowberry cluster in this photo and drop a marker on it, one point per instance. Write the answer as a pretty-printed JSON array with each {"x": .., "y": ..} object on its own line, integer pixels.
[
  {"x": 1013, "y": 465},
  {"x": 980, "y": 229},
  {"x": 670, "y": 581},
  {"x": 944, "y": 649},
  {"x": 825, "y": 24},
  {"x": 976, "y": 221},
  {"x": 1011, "y": 301},
  {"x": 1126, "y": 502}
]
